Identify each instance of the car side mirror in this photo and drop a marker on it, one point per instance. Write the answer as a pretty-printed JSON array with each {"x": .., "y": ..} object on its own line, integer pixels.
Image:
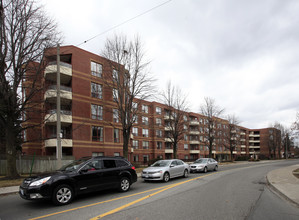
[
  {"x": 171, "y": 166},
  {"x": 84, "y": 170}
]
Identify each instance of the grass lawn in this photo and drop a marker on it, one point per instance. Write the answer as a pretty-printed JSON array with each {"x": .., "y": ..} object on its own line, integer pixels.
[{"x": 15, "y": 182}]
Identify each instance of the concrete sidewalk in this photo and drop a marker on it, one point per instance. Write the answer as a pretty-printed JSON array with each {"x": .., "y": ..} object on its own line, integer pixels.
[{"x": 285, "y": 183}]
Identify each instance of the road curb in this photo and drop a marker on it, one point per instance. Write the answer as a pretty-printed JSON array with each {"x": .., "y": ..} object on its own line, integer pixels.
[{"x": 278, "y": 192}]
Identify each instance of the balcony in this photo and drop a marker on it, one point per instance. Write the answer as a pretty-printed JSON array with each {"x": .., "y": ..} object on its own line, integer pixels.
[
  {"x": 64, "y": 142},
  {"x": 65, "y": 94},
  {"x": 65, "y": 72},
  {"x": 65, "y": 117},
  {"x": 194, "y": 142},
  {"x": 234, "y": 152},
  {"x": 194, "y": 151},
  {"x": 168, "y": 140},
  {"x": 243, "y": 152},
  {"x": 194, "y": 132},
  {"x": 243, "y": 146},
  {"x": 194, "y": 122},
  {"x": 254, "y": 147},
  {"x": 168, "y": 151},
  {"x": 167, "y": 128},
  {"x": 242, "y": 133},
  {"x": 254, "y": 141},
  {"x": 254, "y": 135}
]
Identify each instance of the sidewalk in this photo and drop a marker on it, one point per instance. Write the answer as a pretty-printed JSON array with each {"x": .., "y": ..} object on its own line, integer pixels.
[{"x": 285, "y": 183}]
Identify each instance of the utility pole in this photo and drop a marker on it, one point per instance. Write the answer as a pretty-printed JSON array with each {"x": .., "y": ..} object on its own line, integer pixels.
[{"x": 58, "y": 113}]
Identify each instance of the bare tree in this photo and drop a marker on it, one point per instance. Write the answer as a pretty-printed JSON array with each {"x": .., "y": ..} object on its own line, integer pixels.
[
  {"x": 233, "y": 137},
  {"x": 25, "y": 33},
  {"x": 295, "y": 126},
  {"x": 129, "y": 80},
  {"x": 212, "y": 112},
  {"x": 177, "y": 107}
]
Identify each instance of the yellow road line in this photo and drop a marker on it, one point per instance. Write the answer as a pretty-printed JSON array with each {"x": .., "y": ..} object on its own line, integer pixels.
[
  {"x": 145, "y": 197},
  {"x": 98, "y": 203},
  {"x": 123, "y": 197}
]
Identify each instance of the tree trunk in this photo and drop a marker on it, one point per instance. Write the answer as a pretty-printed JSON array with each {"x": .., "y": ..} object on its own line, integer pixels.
[
  {"x": 11, "y": 151},
  {"x": 175, "y": 150},
  {"x": 210, "y": 150},
  {"x": 126, "y": 138}
]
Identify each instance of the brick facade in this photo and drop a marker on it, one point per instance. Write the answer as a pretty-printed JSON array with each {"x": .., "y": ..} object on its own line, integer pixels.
[{"x": 81, "y": 128}]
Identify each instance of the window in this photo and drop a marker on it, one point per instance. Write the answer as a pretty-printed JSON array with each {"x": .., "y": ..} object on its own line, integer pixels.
[
  {"x": 115, "y": 116},
  {"x": 135, "y": 119},
  {"x": 145, "y": 132},
  {"x": 135, "y": 106},
  {"x": 97, "y": 133},
  {"x": 116, "y": 135},
  {"x": 115, "y": 95},
  {"x": 185, "y": 118},
  {"x": 96, "y": 112},
  {"x": 145, "y": 144},
  {"x": 135, "y": 144},
  {"x": 185, "y": 127},
  {"x": 158, "y": 133},
  {"x": 135, "y": 131},
  {"x": 116, "y": 154},
  {"x": 185, "y": 146},
  {"x": 158, "y": 110},
  {"x": 135, "y": 158},
  {"x": 96, "y": 90},
  {"x": 144, "y": 108},
  {"x": 95, "y": 154},
  {"x": 145, "y": 158},
  {"x": 115, "y": 75},
  {"x": 109, "y": 164},
  {"x": 121, "y": 163},
  {"x": 158, "y": 121},
  {"x": 144, "y": 120},
  {"x": 96, "y": 69},
  {"x": 185, "y": 137},
  {"x": 159, "y": 145}
]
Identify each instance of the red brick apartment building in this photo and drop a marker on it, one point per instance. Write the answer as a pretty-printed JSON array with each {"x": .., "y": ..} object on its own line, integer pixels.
[{"x": 89, "y": 126}]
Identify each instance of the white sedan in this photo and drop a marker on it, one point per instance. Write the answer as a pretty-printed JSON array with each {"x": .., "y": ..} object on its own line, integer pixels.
[
  {"x": 166, "y": 170},
  {"x": 204, "y": 165}
]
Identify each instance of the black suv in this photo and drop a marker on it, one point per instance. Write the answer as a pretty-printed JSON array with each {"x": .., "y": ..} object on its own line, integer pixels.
[{"x": 80, "y": 176}]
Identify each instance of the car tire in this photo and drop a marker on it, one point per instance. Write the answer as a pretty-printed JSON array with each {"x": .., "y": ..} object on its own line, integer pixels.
[
  {"x": 62, "y": 195},
  {"x": 124, "y": 184},
  {"x": 166, "y": 177},
  {"x": 216, "y": 168},
  {"x": 185, "y": 175},
  {"x": 205, "y": 169}
]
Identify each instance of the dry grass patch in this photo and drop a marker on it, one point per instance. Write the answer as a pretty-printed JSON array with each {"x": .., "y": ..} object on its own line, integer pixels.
[{"x": 4, "y": 182}]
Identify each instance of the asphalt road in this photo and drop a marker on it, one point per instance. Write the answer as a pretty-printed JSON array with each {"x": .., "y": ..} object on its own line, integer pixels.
[{"x": 234, "y": 192}]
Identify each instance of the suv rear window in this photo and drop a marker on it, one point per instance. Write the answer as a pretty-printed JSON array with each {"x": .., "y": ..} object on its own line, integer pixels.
[{"x": 121, "y": 163}]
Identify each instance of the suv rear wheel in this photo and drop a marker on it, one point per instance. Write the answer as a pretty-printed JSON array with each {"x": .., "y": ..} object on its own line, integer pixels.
[{"x": 124, "y": 184}]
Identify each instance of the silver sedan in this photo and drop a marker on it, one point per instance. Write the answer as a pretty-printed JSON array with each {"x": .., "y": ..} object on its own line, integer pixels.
[
  {"x": 204, "y": 165},
  {"x": 166, "y": 170}
]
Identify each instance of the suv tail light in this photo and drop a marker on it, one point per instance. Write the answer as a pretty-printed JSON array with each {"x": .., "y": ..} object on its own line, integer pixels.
[{"x": 133, "y": 168}]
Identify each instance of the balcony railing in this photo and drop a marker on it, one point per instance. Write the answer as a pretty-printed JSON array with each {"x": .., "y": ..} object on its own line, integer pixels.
[{"x": 65, "y": 88}]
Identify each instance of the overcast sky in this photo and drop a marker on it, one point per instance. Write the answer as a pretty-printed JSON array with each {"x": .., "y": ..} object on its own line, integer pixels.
[{"x": 242, "y": 53}]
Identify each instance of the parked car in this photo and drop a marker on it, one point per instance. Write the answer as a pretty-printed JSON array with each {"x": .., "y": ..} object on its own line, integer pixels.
[
  {"x": 80, "y": 176},
  {"x": 166, "y": 170},
  {"x": 204, "y": 165}
]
